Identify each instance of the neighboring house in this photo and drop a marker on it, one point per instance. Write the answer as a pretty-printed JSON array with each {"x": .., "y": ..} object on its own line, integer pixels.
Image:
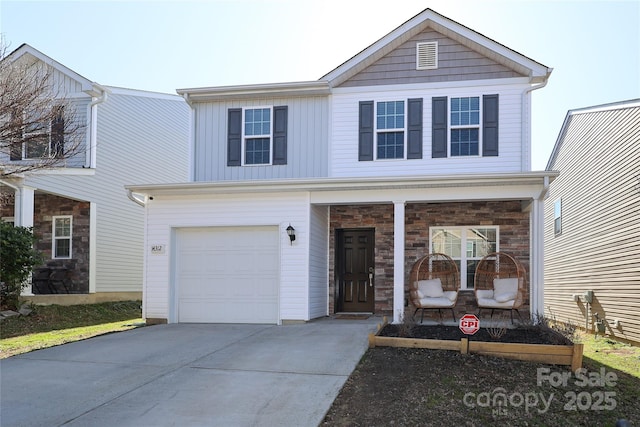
[
  {"x": 419, "y": 143},
  {"x": 592, "y": 221},
  {"x": 91, "y": 234}
]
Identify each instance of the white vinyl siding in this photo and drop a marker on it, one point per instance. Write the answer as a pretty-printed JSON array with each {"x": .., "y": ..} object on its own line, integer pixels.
[
  {"x": 319, "y": 262},
  {"x": 514, "y": 153},
  {"x": 167, "y": 214},
  {"x": 140, "y": 139}
]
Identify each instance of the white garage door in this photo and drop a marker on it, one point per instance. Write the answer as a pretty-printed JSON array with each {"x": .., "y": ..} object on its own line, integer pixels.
[{"x": 227, "y": 274}]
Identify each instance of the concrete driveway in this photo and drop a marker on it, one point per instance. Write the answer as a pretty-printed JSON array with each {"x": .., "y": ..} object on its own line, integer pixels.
[{"x": 186, "y": 375}]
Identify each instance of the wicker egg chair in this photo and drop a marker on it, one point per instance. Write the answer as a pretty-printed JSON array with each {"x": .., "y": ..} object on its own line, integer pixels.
[
  {"x": 434, "y": 284},
  {"x": 500, "y": 283}
]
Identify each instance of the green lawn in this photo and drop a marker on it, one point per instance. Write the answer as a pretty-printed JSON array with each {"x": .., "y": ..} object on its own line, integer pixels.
[
  {"x": 53, "y": 325},
  {"x": 614, "y": 354}
]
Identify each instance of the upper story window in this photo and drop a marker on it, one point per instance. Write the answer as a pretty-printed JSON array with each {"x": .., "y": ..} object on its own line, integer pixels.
[
  {"x": 465, "y": 126},
  {"x": 257, "y": 136},
  {"x": 390, "y": 129},
  {"x": 38, "y": 135},
  {"x": 557, "y": 217},
  {"x": 390, "y": 125},
  {"x": 61, "y": 236}
]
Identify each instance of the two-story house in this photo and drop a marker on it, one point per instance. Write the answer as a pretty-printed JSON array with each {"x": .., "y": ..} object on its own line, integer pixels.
[
  {"x": 90, "y": 234},
  {"x": 311, "y": 198}
]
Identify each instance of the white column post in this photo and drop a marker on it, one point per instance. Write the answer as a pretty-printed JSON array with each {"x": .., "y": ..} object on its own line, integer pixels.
[
  {"x": 24, "y": 205},
  {"x": 537, "y": 258},
  {"x": 23, "y": 216},
  {"x": 93, "y": 232},
  {"x": 398, "y": 260}
]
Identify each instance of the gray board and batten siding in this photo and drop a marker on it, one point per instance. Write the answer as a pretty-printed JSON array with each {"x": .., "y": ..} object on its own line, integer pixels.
[
  {"x": 598, "y": 248},
  {"x": 456, "y": 62},
  {"x": 307, "y": 140}
]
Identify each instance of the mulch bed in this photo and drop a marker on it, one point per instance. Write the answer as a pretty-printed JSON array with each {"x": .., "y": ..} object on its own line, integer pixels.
[
  {"x": 522, "y": 335},
  {"x": 420, "y": 387}
]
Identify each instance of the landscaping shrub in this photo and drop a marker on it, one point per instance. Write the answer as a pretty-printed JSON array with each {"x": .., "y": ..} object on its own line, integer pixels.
[{"x": 17, "y": 259}]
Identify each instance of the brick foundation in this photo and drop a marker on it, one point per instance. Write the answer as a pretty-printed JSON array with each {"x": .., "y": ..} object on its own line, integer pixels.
[{"x": 508, "y": 215}]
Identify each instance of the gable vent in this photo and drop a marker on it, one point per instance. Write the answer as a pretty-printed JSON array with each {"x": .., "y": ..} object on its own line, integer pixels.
[{"x": 427, "y": 56}]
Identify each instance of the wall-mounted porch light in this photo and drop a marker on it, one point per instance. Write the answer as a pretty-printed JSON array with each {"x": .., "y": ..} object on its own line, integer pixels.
[{"x": 291, "y": 232}]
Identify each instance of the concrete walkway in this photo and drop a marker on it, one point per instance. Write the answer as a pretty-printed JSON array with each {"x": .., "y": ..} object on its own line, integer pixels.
[{"x": 186, "y": 375}]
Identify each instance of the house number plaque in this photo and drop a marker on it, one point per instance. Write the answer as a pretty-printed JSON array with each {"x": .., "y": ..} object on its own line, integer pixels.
[{"x": 157, "y": 249}]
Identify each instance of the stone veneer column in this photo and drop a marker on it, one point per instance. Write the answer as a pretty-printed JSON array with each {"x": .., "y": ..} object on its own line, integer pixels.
[{"x": 398, "y": 261}]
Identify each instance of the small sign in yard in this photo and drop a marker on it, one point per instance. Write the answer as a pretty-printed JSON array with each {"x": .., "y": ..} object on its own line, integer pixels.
[{"x": 469, "y": 324}]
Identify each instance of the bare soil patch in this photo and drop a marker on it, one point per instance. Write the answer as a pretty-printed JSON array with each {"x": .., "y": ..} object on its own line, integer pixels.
[{"x": 420, "y": 387}]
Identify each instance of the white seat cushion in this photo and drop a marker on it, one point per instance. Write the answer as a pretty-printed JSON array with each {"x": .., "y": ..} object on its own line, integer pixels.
[
  {"x": 441, "y": 302},
  {"x": 491, "y": 303},
  {"x": 430, "y": 288},
  {"x": 451, "y": 295},
  {"x": 484, "y": 293},
  {"x": 505, "y": 290}
]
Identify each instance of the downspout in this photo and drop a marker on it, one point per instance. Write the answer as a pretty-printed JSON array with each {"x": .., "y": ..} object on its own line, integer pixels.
[
  {"x": 523, "y": 133},
  {"x": 135, "y": 199},
  {"x": 92, "y": 112},
  {"x": 192, "y": 126},
  {"x": 537, "y": 231}
]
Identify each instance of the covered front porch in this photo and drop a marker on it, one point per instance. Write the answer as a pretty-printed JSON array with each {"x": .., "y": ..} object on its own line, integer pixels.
[
  {"x": 61, "y": 226},
  {"x": 506, "y": 211}
]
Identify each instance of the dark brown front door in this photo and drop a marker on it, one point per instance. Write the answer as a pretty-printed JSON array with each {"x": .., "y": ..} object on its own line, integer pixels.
[{"x": 355, "y": 268}]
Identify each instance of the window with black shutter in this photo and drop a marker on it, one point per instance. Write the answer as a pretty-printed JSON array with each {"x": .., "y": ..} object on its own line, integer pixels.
[{"x": 257, "y": 136}]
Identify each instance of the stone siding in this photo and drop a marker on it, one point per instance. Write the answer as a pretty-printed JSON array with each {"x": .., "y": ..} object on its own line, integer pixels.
[
  {"x": 508, "y": 215},
  {"x": 46, "y": 207}
]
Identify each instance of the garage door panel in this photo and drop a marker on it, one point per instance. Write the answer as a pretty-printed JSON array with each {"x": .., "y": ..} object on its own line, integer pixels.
[{"x": 227, "y": 275}]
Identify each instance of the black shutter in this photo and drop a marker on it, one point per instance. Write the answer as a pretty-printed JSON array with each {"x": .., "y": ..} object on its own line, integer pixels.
[
  {"x": 15, "y": 138},
  {"x": 57, "y": 133},
  {"x": 15, "y": 152},
  {"x": 414, "y": 129},
  {"x": 365, "y": 131},
  {"x": 280, "y": 135},
  {"x": 234, "y": 137},
  {"x": 490, "y": 125},
  {"x": 439, "y": 127}
]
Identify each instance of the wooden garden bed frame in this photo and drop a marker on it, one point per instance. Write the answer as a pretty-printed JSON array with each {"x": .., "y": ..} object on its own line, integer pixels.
[{"x": 568, "y": 355}]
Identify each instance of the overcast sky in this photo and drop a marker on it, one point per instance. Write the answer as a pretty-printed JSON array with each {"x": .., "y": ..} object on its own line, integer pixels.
[{"x": 593, "y": 46}]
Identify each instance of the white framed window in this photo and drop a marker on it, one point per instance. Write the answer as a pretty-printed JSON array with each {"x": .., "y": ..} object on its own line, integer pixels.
[
  {"x": 9, "y": 219},
  {"x": 464, "y": 128},
  {"x": 61, "y": 236},
  {"x": 257, "y": 135},
  {"x": 466, "y": 245},
  {"x": 39, "y": 139},
  {"x": 557, "y": 217},
  {"x": 390, "y": 130},
  {"x": 36, "y": 137}
]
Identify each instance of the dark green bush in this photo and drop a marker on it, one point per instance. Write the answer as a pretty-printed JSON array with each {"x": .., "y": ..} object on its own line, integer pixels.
[{"x": 17, "y": 259}]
